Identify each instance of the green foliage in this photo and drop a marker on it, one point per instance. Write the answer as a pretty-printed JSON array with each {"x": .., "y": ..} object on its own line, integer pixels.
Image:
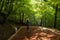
[
  {"x": 14, "y": 11},
  {"x": 34, "y": 9}
]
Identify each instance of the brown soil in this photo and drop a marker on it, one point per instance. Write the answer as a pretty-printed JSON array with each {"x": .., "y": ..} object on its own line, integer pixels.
[{"x": 35, "y": 33}]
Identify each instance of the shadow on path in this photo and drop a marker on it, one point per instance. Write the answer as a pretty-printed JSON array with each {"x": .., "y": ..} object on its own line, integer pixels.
[{"x": 36, "y": 33}]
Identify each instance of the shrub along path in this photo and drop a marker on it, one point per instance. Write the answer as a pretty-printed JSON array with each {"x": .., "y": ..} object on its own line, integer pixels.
[{"x": 36, "y": 33}]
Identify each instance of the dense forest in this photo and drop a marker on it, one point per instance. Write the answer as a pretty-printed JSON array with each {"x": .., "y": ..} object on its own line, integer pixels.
[
  {"x": 40, "y": 12},
  {"x": 13, "y": 13}
]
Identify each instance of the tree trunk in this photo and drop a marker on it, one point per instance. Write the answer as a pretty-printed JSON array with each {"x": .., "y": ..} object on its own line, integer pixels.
[
  {"x": 22, "y": 18},
  {"x": 55, "y": 20},
  {"x": 10, "y": 9},
  {"x": 1, "y": 14},
  {"x": 41, "y": 22}
]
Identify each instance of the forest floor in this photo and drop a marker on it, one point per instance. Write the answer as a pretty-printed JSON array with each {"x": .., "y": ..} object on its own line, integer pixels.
[{"x": 36, "y": 33}]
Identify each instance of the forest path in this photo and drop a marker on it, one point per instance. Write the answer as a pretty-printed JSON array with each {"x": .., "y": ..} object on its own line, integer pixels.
[{"x": 36, "y": 33}]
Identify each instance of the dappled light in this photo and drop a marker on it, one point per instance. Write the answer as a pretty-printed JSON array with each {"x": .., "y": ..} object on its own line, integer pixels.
[
  {"x": 29, "y": 19},
  {"x": 35, "y": 33}
]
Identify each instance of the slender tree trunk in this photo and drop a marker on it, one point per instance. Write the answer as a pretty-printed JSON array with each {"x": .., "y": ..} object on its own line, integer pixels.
[
  {"x": 2, "y": 5},
  {"x": 10, "y": 9},
  {"x": 22, "y": 17},
  {"x": 1, "y": 14},
  {"x": 41, "y": 22},
  {"x": 55, "y": 20}
]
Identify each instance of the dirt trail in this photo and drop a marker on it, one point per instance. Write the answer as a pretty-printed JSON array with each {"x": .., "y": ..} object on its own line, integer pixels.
[{"x": 35, "y": 33}]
